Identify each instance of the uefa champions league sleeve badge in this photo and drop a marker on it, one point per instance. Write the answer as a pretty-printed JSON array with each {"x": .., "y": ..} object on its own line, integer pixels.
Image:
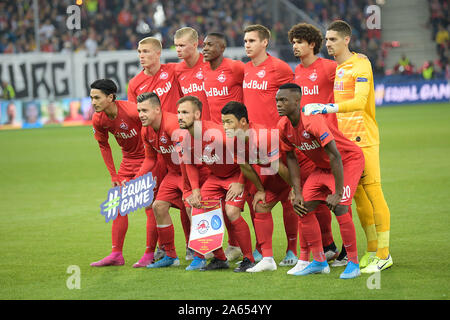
[{"x": 136, "y": 194}]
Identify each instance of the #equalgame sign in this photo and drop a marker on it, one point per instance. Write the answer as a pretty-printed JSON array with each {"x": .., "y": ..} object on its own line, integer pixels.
[
  {"x": 207, "y": 228},
  {"x": 136, "y": 194}
]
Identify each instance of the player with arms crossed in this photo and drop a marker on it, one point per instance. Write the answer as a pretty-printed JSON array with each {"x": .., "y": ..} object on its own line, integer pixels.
[
  {"x": 339, "y": 164},
  {"x": 190, "y": 70},
  {"x": 155, "y": 77},
  {"x": 121, "y": 119},
  {"x": 225, "y": 181},
  {"x": 354, "y": 96},
  {"x": 263, "y": 75}
]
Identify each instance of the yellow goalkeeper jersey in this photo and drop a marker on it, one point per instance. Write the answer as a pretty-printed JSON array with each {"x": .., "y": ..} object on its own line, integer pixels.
[{"x": 355, "y": 95}]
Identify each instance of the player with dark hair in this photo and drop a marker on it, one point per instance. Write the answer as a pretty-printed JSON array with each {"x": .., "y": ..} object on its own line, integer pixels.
[
  {"x": 354, "y": 105},
  {"x": 160, "y": 134},
  {"x": 339, "y": 165},
  {"x": 224, "y": 183},
  {"x": 258, "y": 154},
  {"x": 263, "y": 74},
  {"x": 121, "y": 119},
  {"x": 222, "y": 80},
  {"x": 315, "y": 75}
]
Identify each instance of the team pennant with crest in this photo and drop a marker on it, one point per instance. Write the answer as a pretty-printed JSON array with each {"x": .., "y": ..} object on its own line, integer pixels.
[{"x": 207, "y": 227}]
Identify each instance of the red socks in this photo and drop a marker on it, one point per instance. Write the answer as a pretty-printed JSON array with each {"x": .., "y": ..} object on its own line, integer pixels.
[
  {"x": 185, "y": 223},
  {"x": 311, "y": 232},
  {"x": 242, "y": 233},
  {"x": 166, "y": 240},
  {"x": 152, "y": 233},
  {"x": 290, "y": 219},
  {"x": 348, "y": 235},
  {"x": 264, "y": 230},
  {"x": 323, "y": 216},
  {"x": 118, "y": 232}
]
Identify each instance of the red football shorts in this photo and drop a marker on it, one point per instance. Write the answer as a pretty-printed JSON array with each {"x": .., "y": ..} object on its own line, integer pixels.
[
  {"x": 216, "y": 188},
  {"x": 275, "y": 187},
  {"x": 320, "y": 183},
  {"x": 171, "y": 189}
]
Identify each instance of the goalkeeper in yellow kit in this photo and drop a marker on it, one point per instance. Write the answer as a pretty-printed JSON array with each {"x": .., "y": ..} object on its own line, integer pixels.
[{"x": 355, "y": 107}]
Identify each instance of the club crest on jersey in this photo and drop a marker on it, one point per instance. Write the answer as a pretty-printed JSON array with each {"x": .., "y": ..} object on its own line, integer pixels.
[
  {"x": 305, "y": 134},
  {"x": 199, "y": 75},
  {"x": 313, "y": 76},
  {"x": 221, "y": 78},
  {"x": 123, "y": 126},
  {"x": 340, "y": 73},
  {"x": 164, "y": 75},
  {"x": 261, "y": 74},
  {"x": 163, "y": 139}
]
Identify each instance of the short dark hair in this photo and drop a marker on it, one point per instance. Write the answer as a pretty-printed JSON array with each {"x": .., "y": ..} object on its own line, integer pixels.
[
  {"x": 219, "y": 35},
  {"x": 307, "y": 32},
  {"x": 239, "y": 110},
  {"x": 107, "y": 86},
  {"x": 263, "y": 32},
  {"x": 153, "y": 97},
  {"x": 192, "y": 99},
  {"x": 342, "y": 27},
  {"x": 292, "y": 87}
]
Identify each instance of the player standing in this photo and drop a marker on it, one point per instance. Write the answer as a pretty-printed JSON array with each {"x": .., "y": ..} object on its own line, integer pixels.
[
  {"x": 225, "y": 181},
  {"x": 222, "y": 79},
  {"x": 121, "y": 119},
  {"x": 190, "y": 70},
  {"x": 155, "y": 77},
  {"x": 263, "y": 75},
  {"x": 315, "y": 75},
  {"x": 339, "y": 164},
  {"x": 355, "y": 107}
]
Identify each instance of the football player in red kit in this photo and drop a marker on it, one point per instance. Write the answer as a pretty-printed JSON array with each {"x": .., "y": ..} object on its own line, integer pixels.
[
  {"x": 263, "y": 75},
  {"x": 225, "y": 181},
  {"x": 160, "y": 134},
  {"x": 190, "y": 70},
  {"x": 155, "y": 77},
  {"x": 339, "y": 166},
  {"x": 222, "y": 79},
  {"x": 315, "y": 75},
  {"x": 121, "y": 119}
]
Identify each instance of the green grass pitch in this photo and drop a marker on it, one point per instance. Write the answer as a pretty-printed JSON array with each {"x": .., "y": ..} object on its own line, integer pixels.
[{"x": 53, "y": 180}]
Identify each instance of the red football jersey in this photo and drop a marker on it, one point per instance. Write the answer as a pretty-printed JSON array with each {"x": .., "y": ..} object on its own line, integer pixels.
[
  {"x": 191, "y": 83},
  {"x": 164, "y": 141},
  {"x": 164, "y": 83},
  {"x": 223, "y": 85},
  {"x": 214, "y": 152},
  {"x": 317, "y": 83},
  {"x": 311, "y": 135},
  {"x": 260, "y": 87},
  {"x": 126, "y": 128}
]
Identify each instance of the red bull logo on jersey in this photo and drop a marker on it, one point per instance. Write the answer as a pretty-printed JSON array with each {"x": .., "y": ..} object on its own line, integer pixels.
[
  {"x": 214, "y": 92},
  {"x": 305, "y": 146},
  {"x": 170, "y": 149},
  {"x": 123, "y": 135},
  {"x": 193, "y": 87},
  {"x": 310, "y": 91},
  {"x": 165, "y": 89},
  {"x": 254, "y": 84},
  {"x": 211, "y": 159}
]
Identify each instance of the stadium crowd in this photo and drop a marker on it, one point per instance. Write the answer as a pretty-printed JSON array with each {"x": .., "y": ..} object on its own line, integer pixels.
[{"x": 138, "y": 19}]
